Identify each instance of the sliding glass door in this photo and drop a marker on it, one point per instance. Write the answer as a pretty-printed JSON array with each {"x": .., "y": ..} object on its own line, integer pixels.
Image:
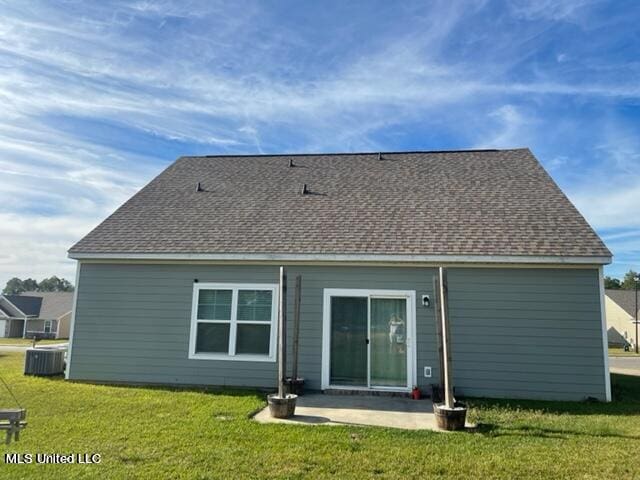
[
  {"x": 368, "y": 344},
  {"x": 349, "y": 341},
  {"x": 388, "y": 342}
]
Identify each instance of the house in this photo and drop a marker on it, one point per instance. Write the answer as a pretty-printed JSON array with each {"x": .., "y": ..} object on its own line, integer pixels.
[
  {"x": 40, "y": 314},
  {"x": 180, "y": 284},
  {"x": 620, "y": 309}
]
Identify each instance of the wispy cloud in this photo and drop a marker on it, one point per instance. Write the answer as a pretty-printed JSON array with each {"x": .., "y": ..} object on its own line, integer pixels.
[
  {"x": 549, "y": 9},
  {"x": 96, "y": 98}
]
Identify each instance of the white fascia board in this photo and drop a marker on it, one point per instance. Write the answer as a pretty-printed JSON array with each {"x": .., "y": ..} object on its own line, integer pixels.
[
  {"x": 334, "y": 258},
  {"x": 24, "y": 315},
  {"x": 63, "y": 315}
]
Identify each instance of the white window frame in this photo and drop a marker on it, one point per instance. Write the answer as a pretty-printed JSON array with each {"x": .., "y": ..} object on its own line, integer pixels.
[
  {"x": 45, "y": 326},
  {"x": 369, "y": 294},
  {"x": 233, "y": 322}
]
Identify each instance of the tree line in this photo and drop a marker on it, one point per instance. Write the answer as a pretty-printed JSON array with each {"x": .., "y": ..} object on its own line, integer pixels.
[
  {"x": 15, "y": 286},
  {"x": 629, "y": 282}
]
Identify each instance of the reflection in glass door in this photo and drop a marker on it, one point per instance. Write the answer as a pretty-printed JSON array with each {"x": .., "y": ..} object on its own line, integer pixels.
[
  {"x": 388, "y": 338},
  {"x": 368, "y": 341}
]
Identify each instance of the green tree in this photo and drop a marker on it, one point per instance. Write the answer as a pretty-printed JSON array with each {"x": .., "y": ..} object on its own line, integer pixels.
[
  {"x": 30, "y": 285},
  {"x": 14, "y": 287},
  {"x": 55, "y": 284},
  {"x": 629, "y": 281},
  {"x": 611, "y": 283}
]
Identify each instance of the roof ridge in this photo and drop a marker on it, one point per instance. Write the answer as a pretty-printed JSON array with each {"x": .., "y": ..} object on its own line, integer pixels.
[{"x": 326, "y": 154}]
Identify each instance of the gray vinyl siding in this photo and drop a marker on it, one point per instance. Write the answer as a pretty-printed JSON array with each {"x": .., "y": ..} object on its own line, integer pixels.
[
  {"x": 37, "y": 325},
  {"x": 132, "y": 321},
  {"x": 16, "y": 328},
  {"x": 532, "y": 333},
  {"x": 527, "y": 333}
]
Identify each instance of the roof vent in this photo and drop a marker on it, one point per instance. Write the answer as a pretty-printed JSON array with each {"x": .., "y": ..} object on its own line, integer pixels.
[
  {"x": 379, "y": 156},
  {"x": 291, "y": 163},
  {"x": 304, "y": 190},
  {"x": 199, "y": 188}
]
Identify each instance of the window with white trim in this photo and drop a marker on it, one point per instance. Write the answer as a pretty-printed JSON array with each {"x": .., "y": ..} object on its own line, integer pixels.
[
  {"x": 47, "y": 326},
  {"x": 233, "y": 321}
]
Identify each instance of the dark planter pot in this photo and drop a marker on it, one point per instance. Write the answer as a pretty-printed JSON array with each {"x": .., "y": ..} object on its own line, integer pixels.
[
  {"x": 436, "y": 393},
  {"x": 280, "y": 407},
  {"x": 447, "y": 419},
  {"x": 295, "y": 386}
]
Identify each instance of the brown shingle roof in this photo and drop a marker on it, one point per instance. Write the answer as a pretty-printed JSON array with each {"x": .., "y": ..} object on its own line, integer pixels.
[{"x": 491, "y": 202}]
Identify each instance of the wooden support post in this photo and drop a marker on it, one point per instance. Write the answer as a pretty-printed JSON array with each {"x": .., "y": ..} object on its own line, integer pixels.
[
  {"x": 446, "y": 345},
  {"x": 282, "y": 333},
  {"x": 436, "y": 309},
  {"x": 296, "y": 326}
]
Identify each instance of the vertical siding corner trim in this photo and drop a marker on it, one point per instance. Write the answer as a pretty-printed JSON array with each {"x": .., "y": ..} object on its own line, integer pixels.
[
  {"x": 73, "y": 319},
  {"x": 605, "y": 343}
]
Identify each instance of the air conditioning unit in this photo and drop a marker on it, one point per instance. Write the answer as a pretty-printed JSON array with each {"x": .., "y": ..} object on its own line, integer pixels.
[{"x": 44, "y": 361}]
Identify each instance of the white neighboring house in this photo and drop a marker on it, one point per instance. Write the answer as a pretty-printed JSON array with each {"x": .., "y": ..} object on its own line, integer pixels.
[
  {"x": 39, "y": 314},
  {"x": 620, "y": 308}
]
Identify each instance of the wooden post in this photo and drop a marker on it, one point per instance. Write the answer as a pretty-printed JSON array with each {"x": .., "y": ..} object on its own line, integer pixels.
[
  {"x": 282, "y": 332},
  {"x": 443, "y": 294},
  {"x": 296, "y": 326},
  {"x": 436, "y": 309}
]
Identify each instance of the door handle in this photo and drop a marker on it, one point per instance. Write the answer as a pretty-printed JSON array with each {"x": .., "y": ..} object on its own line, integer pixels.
[{"x": 366, "y": 340}]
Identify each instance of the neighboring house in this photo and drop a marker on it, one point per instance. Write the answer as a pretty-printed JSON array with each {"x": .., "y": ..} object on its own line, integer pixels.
[
  {"x": 180, "y": 284},
  {"x": 41, "y": 314},
  {"x": 620, "y": 307}
]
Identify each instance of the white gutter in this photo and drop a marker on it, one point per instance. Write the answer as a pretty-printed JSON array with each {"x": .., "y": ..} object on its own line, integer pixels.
[{"x": 312, "y": 257}]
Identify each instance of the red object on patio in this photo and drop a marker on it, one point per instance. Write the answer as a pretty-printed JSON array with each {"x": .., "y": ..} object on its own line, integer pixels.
[{"x": 415, "y": 393}]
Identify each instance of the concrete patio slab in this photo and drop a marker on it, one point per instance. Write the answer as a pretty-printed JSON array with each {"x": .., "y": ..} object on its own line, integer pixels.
[{"x": 394, "y": 412}]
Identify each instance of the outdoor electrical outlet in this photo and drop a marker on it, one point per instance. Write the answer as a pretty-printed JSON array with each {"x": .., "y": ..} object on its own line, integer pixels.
[{"x": 427, "y": 372}]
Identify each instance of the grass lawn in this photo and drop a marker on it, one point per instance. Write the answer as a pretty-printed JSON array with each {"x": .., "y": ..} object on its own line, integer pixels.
[
  {"x": 619, "y": 352},
  {"x": 159, "y": 433},
  {"x": 28, "y": 341}
]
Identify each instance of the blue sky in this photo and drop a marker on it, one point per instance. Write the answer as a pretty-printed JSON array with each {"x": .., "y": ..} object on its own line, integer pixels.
[{"x": 96, "y": 98}]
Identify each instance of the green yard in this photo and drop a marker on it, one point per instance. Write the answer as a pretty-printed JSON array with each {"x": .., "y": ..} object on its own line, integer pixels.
[
  {"x": 619, "y": 352},
  {"x": 28, "y": 342},
  {"x": 160, "y": 433}
]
